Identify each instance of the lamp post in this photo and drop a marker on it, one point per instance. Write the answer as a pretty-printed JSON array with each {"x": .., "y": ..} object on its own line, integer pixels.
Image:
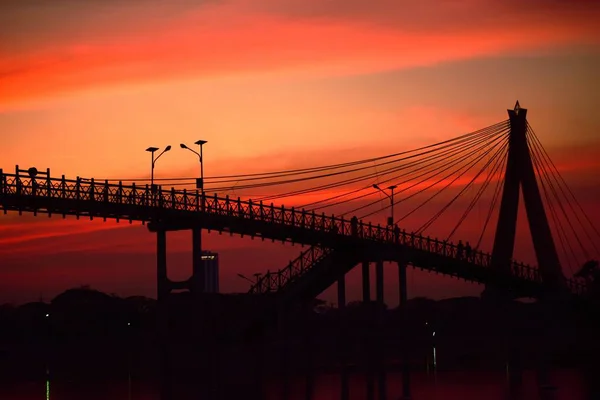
[
  {"x": 199, "y": 182},
  {"x": 153, "y": 150},
  {"x": 391, "y": 188}
]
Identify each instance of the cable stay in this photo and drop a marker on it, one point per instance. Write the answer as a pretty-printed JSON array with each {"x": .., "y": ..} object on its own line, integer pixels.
[
  {"x": 562, "y": 185},
  {"x": 439, "y": 213},
  {"x": 407, "y": 154},
  {"x": 562, "y": 236},
  {"x": 438, "y": 171},
  {"x": 500, "y": 162},
  {"x": 299, "y": 171},
  {"x": 430, "y": 166},
  {"x": 495, "y": 197},
  {"x": 554, "y": 186}
]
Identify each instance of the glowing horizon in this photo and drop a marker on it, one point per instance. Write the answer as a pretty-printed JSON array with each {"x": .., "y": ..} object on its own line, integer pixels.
[{"x": 85, "y": 88}]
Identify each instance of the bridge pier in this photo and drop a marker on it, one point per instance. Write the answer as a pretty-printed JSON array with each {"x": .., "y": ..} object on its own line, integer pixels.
[
  {"x": 204, "y": 354},
  {"x": 366, "y": 282},
  {"x": 403, "y": 285},
  {"x": 366, "y": 289},
  {"x": 379, "y": 282},
  {"x": 163, "y": 289},
  {"x": 198, "y": 273},
  {"x": 344, "y": 378},
  {"x": 380, "y": 346}
]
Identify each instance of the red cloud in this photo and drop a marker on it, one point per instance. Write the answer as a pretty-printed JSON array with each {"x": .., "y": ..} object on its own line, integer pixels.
[{"x": 193, "y": 44}]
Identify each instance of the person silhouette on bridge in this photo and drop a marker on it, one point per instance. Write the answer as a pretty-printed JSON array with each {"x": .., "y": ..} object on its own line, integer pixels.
[
  {"x": 468, "y": 251},
  {"x": 459, "y": 249},
  {"x": 354, "y": 226}
]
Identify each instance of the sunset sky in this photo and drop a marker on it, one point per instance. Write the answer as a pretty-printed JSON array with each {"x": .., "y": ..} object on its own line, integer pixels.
[{"x": 87, "y": 86}]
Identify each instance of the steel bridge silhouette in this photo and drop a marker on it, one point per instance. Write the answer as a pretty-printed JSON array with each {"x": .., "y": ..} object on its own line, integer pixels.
[{"x": 337, "y": 244}]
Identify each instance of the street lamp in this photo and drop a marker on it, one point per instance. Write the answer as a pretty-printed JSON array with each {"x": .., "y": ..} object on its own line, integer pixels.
[
  {"x": 152, "y": 150},
  {"x": 390, "y": 219},
  {"x": 199, "y": 182}
]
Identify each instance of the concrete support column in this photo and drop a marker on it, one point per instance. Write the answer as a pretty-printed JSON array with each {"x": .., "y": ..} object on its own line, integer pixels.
[
  {"x": 344, "y": 378},
  {"x": 379, "y": 346},
  {"x": 403, "y": 284},
  {"x": 366, "y": 282},
  {"x": 379, "y": 281},
  {"x": 198, "y": 271},
  {"x": 366, "y": 289},
  {"x": 162, "y": 285}
]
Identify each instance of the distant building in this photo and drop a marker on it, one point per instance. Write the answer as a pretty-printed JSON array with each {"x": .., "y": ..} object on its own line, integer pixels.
[{"x": 211, "y": 271}]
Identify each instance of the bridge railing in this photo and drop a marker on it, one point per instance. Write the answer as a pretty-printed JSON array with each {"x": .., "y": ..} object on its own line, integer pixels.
[
  {"x": 273, "y": 281},
  {"x": 90, "y": 190}
]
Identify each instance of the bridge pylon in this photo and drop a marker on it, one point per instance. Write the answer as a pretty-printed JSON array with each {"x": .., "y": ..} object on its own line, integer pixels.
[{"x": 520, "y": 174}]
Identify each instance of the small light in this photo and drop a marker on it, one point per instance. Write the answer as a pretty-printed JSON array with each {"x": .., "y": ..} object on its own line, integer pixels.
[
  {"x": 433, "y": 333},
  {"x": 129, "y": 324},
  {"x": 426, "y": 323},
  {"x": 47, "y": 315}
]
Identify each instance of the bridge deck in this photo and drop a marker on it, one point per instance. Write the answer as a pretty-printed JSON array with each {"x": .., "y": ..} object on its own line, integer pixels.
[{"x": 171, "y": 209}]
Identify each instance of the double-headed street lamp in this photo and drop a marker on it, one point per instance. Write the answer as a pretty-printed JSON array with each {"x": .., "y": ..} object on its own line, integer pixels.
[
  {"x": 153, "y": 150},
  {"x": 200, "y": 181},
  {"x": 390, "y": 219}
]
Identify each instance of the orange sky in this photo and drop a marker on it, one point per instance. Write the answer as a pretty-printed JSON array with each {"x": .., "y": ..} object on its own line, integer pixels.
[{"x": 85, "y": 87}]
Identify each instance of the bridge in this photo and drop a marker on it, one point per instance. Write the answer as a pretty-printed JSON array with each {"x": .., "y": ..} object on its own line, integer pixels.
[{"x": 337, "y": 244}]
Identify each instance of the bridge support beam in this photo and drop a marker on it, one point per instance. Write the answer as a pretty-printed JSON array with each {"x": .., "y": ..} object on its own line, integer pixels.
[
  {"x": 343, "y": 349},
  {"x": 379, "y": 281},
  {"x": 198, "y": 271},
  {"x": 403, "y": 285},
  {"x": 366, "y": 282},
  {"x": 163, "y": 289},
  {"x": 380, "y": 346}
]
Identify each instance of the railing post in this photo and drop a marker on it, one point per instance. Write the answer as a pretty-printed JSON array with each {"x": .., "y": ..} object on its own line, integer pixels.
[
  {"x": 133, "y": 194},
  {"x": 78, "y": 188},
  {"x": 1, "y": 181},
  {"x": 282, "y": 214},
  {"x": 18, "y": 181},
  {"x": 185, "y": 200},
  {"x": 120, "y": 193},
  {"x": 173, "y": 202},
  {"x": 92, "y": 189},
  {"x": 250, "y": 211},
  {"x": 239, "y": 207},
  {"x": 48, "y": 182},
  {"x": 63, "y": 183},
  {"x": 262, "y": 211},
  {"x": 227, "y": 206}
]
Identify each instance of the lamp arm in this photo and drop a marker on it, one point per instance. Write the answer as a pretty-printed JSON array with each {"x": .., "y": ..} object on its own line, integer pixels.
[
  {"x": 381, "y": 190},
  {"x": 194, "y": 151},
  {"x": 156, "y": 159}
]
